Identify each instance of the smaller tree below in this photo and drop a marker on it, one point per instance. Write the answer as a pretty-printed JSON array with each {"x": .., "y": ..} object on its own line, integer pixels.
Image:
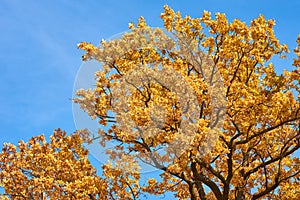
[{"x": 56, "y": 170}]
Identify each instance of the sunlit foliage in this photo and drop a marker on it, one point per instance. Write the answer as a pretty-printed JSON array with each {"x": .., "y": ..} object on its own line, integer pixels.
[
  {"x": 59, "y": 169},
  {"x": 239, "y": 142}
]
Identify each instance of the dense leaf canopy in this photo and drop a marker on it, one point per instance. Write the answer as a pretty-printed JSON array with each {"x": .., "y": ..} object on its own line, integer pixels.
[{"x": 227, "y": 127}]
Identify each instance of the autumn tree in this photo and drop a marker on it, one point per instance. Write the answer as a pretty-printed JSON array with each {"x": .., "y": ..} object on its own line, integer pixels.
[
  {"x": 59, "y": 169},
  {"x": 200, "y": 101},
  {"x": 239, "y": 139}
]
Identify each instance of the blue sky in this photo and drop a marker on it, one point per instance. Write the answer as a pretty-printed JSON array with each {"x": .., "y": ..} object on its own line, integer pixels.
[{"x": 39, "y": 59}]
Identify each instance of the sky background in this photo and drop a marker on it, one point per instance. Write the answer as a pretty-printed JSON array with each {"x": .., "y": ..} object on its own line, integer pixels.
[{"x": 39, "y": 59}]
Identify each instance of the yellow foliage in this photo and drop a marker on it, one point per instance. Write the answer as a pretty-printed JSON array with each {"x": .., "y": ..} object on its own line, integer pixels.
[
  {"x": 205, "y": 91},
  {"x": 56, "y": 170},
  {"x": 251, "y": 154}
]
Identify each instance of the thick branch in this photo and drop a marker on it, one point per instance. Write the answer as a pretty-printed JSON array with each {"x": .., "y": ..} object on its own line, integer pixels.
[{"x": 213, "y": 186}]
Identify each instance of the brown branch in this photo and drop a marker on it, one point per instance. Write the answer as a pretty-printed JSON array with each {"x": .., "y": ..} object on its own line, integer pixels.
[
  {"x": 235, "y": 73},
  {"x": 211, "y": 170},
  {"x": 273, "y": 187},
  {"x": 266, "y": 130},
  {"x": 198, "y": 184},
  {"x": 192, "y": 191},
  {"x": 212, "y": 185},
  {"x": 284, "y": 154},
  {"x": 131, "y": 190},
  {"x": 230, "y": 173}
]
